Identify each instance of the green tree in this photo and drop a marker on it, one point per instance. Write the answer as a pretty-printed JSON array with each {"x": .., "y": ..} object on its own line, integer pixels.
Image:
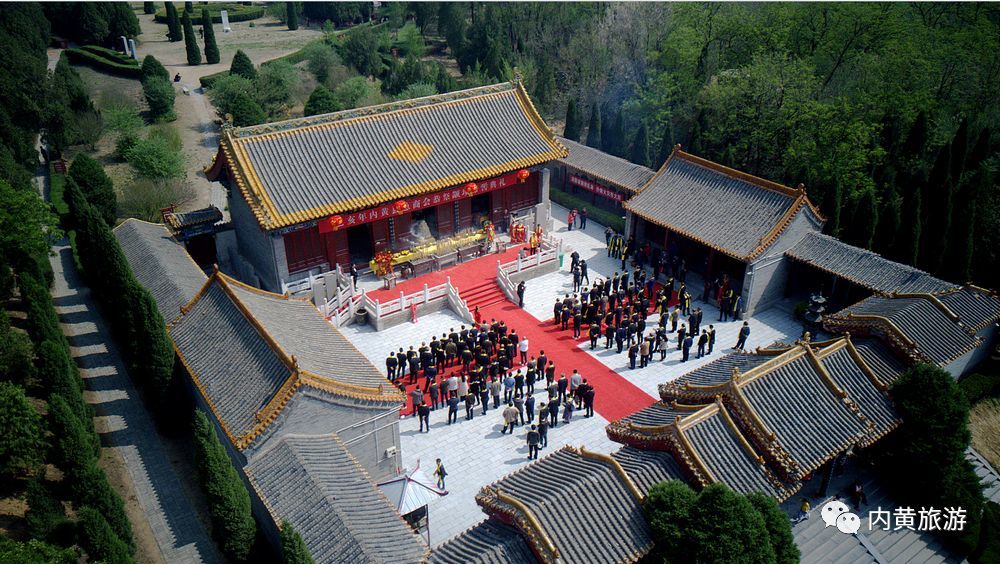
[
  {"x": 725, "y": 527},
  {"x": 865, "y": 221},
  {"x": 243, "y": 66},
  {"x": 292, "y": 16},
  {"x": 936, "y": 211},
  {"x": 149, "y": 8},
  {"x": 444, "y": 82},
  {"x": 320, "y": 60},
  {"x": 274, "y": 85},
  {"x": 121, "y": 20},
  {"x": 160, "y": 97},
  {"x": 151, "y": 354},
  {"x": 594, "y": 129},
  {"x": 152, "y": 68},
  {"x": 417, "y": 90},
  {"x": 93, "y": 26},
  {"x": 97, "y": 187},
  {"x": 190, "y": 41},
  {"x": 668, "y": 507},
  {"x": 91, "y": 488},
  {"x": 361, "y": 51},
  {"x": 74, "y": 448},
  {"x": 189, "y": 7},
  {"x": 778, "y": 528},
  {"x": 544, "y": 89},
  {"x": 21, "y": 443},
  {"x": 24, "y": 221},
  {"x": 211, "y": 48},
  {"x": 174, "y": 32},
  {"x": 16, "y": 354},
  {"x": 154, "y": 158},
  {"x": 45, "y": 511},
  {"x": 833, "y": 202},
  {"x": 58, "y": 374},
  {"x": 35, "y": 551},
  {"x": 357, "y": 92},
  {"x": 572, "y": 130},
  {"x": 639, "y": 153},
  {"x": 293, "y": 548},
  {"x": 228, "y": 500},
  {"x": 100, "y": 540},
  {"x": 926, "y": 457}
]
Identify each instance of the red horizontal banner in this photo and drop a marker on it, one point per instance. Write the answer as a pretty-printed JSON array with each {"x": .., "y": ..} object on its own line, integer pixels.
[
  {"x": 595, "y": 188},
  {"x": 407, "y": 205}
]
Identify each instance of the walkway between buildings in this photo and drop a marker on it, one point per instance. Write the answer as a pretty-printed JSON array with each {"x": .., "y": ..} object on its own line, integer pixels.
[{"x": 615, "y": 397}]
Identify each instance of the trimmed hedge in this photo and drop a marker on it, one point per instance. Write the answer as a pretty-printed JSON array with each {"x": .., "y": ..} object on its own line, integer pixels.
[
  {"x": 99, "y": 539},
  {"x": 237, "y": 13},
  {"x": 57, "y": 187},
  {"x": 599, "y": 215},
  {"x": 109, "y": 54},
  {"x": 91, "y": 488},
  {"x": 101, "y": 63}
]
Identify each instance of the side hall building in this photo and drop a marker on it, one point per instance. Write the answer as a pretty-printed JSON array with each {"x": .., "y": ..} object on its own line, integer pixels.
[{"x": 308, "y": 194}]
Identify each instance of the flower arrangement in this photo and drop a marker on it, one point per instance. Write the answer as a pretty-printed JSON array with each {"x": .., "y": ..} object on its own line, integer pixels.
[{"x": 383, "y": 261}]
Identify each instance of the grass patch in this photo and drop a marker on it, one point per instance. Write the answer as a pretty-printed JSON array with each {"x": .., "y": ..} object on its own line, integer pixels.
[
  {"x": 984, "y": 422},
  {"x": 594, "y": 213}
]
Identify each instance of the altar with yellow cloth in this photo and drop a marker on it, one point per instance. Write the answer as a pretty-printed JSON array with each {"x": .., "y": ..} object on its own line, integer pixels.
[{"x": 429, "y": 250}]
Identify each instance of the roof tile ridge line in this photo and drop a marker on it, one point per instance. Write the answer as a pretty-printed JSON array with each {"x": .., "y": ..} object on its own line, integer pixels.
[
  {"x": 204, "y": 393},
  {"x": 823, "y": 373},
  {"x": 531, "y": 112},
  {"x": 337, "y": 387},
  {"x": 756, "y": 426},
  {"x": 617, "y": 467},
  {"x": 931, "y": 298},
  {"x": 779, "y": 227},
  {"x": 840, "y": 392},
  {"x": 849, "y": 278},
  {"x": 367, "y": 477},
  {"x": 689, "y": 451},
  {"x": 687, "y": 233},
  {"x": 242, "y": 181},
  {"x": 863, "y": 365},
  {"x": 659, "y": 171},
  {"x": 971, "y": 286},
  {"x": 524, "y": 519},
  {"x": 739, "y": 434},
  {"x": 606, "y": 155},
  {"x": 272, "y": 409},
  {"x": 893, "y": 328},
  {"x": 377, "y": 109},
  {"x": 418, "y": 189},
  {"x": 744, "y": 176},
  {"x": 137, "y": 220},
  {"x": 185, "y": 308},
  {"x": 683, "y": 422},
  {"x": 603, "y": 178},
  {"x": 253, "y": 180},
  {"x": 743, "y": 378},
  {"x": 288, "y": 361}
]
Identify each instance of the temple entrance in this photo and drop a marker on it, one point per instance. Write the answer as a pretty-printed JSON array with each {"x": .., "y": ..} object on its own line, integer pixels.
[
  {"x": 359, "y": 242},
  {"x": 424, "y": 223},
  {"x": 480, "y": 209}
]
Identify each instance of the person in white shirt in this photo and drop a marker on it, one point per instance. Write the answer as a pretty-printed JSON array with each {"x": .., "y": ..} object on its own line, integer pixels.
[{"x": 523, "y": 348}]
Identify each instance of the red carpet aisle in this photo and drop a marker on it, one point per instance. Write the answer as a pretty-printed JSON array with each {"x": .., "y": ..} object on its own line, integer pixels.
[{"x": 464, "y": 276}]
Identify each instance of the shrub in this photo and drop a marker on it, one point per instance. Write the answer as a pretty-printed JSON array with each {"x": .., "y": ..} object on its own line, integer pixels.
[
  {"x": 228, "y": 501},
  {"x": 357, "y": 92},
  {"x": 778, "y": 528},
  {"x": 153, "y": 158},
  {"x": 43, "y": 322},
  {"x": 978, "y": 386},
  {"x": 149, "y": 7},
  {"x": 174, "y": 32},
  {"x": 20, "y": 432},
  {"x": 418, "y": 90},
  {"x": 98, "y": 538},
  {"x": 96, "y": 186},
  {"x": 45, "y": 511},
  {"x": 151, "y": 67},
  {"x": 274, "y": 86},
  {"x": 168, "y": 134},
  {"x": 320, "y": 59},
  {"x": 291, "y": 16},
  {"x": 74, "y": 448},
  {"x": 246, "y": 111},
  {"x": 594, "y": 213},
  {"x": 145, "y": 197},
  {"x": 35, "y": 551},
  {"x": 667, "y": 507},
  {"x": 243, "y": 66},
  {"x": 190, "y": 41},
  {"x": 159, "y": 95},
  {"x": 16, "y": 354},
  {"x": 321, "y": 101},
  {"x": 211, "y": 47},
  {"x": 91, "y": 488},
  {"x": 102, "y": 63},
  {"x": 293, "y": 548}
]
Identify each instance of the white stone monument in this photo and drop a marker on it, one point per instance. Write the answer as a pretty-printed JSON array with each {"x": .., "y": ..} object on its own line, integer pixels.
[
  {"x": 131, "y": 46},
  {"x": 124, "y": 44},
  {"x": 225, "y": 21}
]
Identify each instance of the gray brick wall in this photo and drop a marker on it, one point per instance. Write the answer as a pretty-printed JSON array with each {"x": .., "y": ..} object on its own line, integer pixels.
[
  {"x": 253, "y": 243},
  {"x": 767, "y": 276}
]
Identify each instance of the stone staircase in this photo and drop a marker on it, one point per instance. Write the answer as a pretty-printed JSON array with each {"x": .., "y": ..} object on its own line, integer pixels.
[{"x": 483, "y": 295}]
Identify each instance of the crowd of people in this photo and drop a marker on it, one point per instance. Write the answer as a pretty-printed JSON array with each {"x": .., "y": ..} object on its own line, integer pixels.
[{"x": 488, "y": 366}]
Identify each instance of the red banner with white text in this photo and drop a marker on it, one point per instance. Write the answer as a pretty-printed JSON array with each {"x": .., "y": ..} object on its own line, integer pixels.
[{"x": 595, "y": 188}]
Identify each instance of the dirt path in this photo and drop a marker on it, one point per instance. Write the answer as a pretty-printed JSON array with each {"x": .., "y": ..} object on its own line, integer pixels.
[{"x": 267, "y": 40}]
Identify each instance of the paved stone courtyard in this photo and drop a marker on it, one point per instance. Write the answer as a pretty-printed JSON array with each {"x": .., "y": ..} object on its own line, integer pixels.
[{"x": 474, "y": 452}]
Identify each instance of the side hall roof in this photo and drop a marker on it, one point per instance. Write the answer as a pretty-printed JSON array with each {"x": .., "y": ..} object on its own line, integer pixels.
[
  {"x": 610, "y": 169},
  {"x": 315, "y": 484},
  {"x": 161, "y": 264},
  {"x": 730, "y": 211},
  {"x": 304, "y": 169},
  {"x": 862, "y": 267},
  {"x": 249, "y": 351}
]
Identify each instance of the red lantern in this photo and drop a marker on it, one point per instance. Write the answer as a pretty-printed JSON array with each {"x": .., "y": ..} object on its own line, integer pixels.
[
  {"x": 471, "y": 188},
  {"x": 335, "y": 222},
  {"x": 401, "y": 206},
  {"x": 522, "y": 175}
]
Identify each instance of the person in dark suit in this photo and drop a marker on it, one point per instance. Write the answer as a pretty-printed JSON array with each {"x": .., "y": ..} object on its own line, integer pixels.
[
  {"x": 688, "y": 341},
  {"x": 424, "y": 413},
  {"x": 711, "y": 338},
  {"x": 520, "y": 294},
  {"x": 702, "y": 342},
  {"x": 741, "y": 342}
]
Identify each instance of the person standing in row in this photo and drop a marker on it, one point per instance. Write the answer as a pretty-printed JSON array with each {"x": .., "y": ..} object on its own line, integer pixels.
[
  {"x": 688, "y": 341},
  {"x": 583, "y": 218},
  {"x": 453, "y": 409},
  {"x": 509, "y": 416},
  {"x": 702, "y": 343},
  {"x": 533, "y": 440},
  {"x": 543, "y": 427},
  {"x": 711, "y": 338},
  {"x": 484, "y": 396},
  {"x": 744, "y": 333},
  {"x": 470, "y": 407},
  {"x": 424, "y": 414},
  {"x": 553, "y": 413},
  {"x": 522, "y": 347}
]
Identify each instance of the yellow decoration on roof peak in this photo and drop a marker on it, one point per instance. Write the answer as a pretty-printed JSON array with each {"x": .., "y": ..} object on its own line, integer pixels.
[{"x": 411, "y": 152}]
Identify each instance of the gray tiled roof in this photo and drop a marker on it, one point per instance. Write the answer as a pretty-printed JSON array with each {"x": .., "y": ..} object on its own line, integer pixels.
[
  {"x": 315, "y": 166},
  {"x": 719, "y": 371},
  {"x": 988, "y": 476},
  {"x": 608, "y": 168},
  {"x": 717, "y": 209},
  {"x": 160, "y": 264},
  {"x": 301, "y": 331},
  {"x": 886, "y": 365},
  {"x": 314, "y": 483},
  {"x": 975, "y": 308},
  {"x": 490, "y": 542},
  {"x": 211, "y": 214},
  {"x": 648, "y": 467},
  {"x": 659, "y": 413},
  {"x": 584, "y": 506},
  {"x": 724, "y": 456},
  {"x": 236, "y": 368},
  {"x": 810, "y": 422},
  {"x": 934, "y": 333},
  {"x": 873, "y": 403},
  {"x": 862, "y": 267}
]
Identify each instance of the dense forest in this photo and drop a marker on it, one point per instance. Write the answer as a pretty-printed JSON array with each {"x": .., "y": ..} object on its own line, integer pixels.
[{"x": 886, "y": 112}]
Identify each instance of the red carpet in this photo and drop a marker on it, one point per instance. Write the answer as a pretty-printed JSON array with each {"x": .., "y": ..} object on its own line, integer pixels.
[{"x": 615, "y": 396}]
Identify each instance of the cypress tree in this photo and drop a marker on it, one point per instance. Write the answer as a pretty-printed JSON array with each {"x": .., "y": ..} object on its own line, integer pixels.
[
  {"x": 594, "y": 129},
  {"x": 189, "y": 7},
  {"x": 959, "y": 148},
  {"x": 321, "y": 101},
  {"x": 152, "y": 68},
  {"x": 149, "y": 7},
  {"x": 572, "y": 130},
  {"x": 778, "y": 527},
  {"x": 292, "y": 16},
  {"x": 96, "y": 186},
  {"x": 915, "y": 146},
  {"x": 666, "y": 144},
  {"x": 961, "y": 243},
  {"x": 99, "y": 539},
  {"x": 833, "y": 200},
  {"x": 91, "y": 487},
  {"x": 21, "y": 445},
  {"x": 74, "y": 449},
  {"x": 640, "y": 147},
  {"x": 174, "y": 32},
  {"x": 190, "y": 41},
  {"x": 866, "y": 220},
  {"x": 211, "y": 49},
  {"x": 45, "y": 511},
  {"x": 243, "y": 66},
  {"x": 936, "y": 211},
  {"x": 293, "y": 547},
  {"x": 908, "y": 239},
  {"x": 890, "y": 218}
]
